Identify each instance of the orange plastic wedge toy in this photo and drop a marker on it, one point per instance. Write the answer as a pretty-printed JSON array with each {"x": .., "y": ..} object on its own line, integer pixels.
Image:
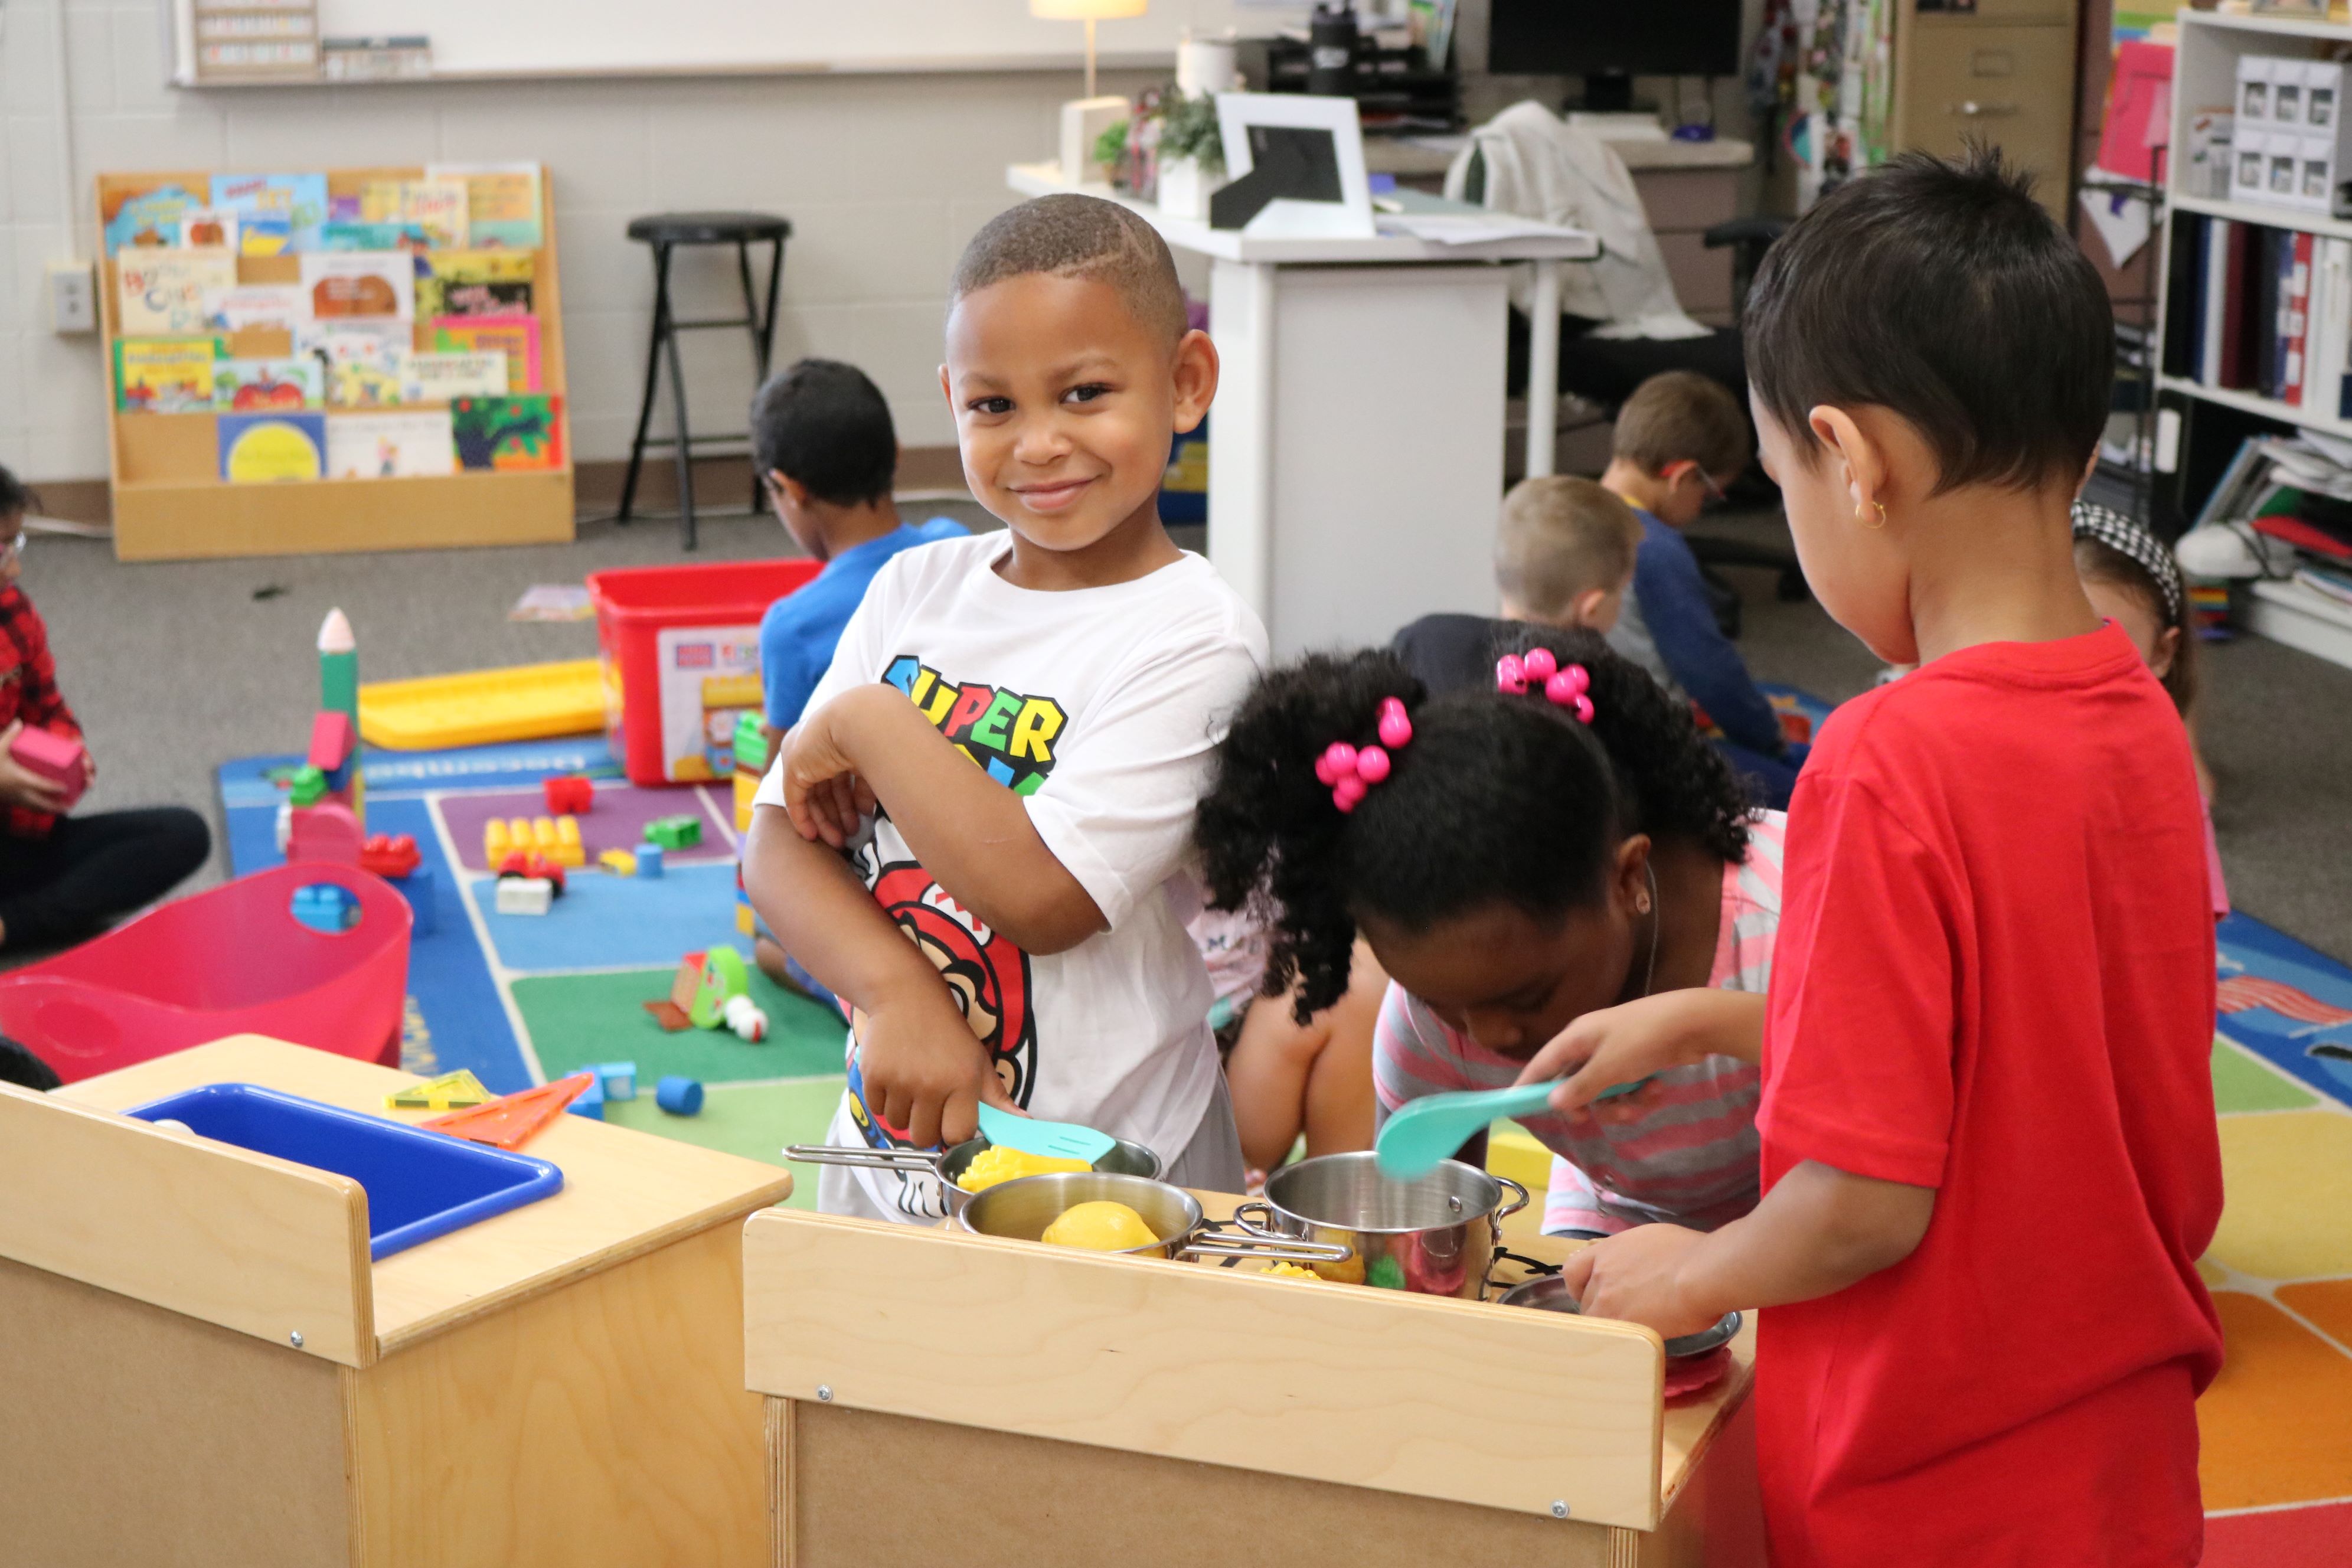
[{"x": 511, "y": 1120}]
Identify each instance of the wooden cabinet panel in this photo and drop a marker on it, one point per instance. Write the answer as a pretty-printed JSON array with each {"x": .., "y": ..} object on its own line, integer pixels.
[{"x": 1688, "y": 199}]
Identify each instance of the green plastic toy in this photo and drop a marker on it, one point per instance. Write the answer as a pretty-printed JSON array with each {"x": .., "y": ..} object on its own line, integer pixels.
[
  {"x": 724, "y": 977},
  {"x": 308, "y": 786},
  {"x": 674, "y": 832}
]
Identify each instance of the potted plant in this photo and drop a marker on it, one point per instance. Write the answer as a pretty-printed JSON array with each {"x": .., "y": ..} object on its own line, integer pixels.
[{"x": 1191, "y": 155}]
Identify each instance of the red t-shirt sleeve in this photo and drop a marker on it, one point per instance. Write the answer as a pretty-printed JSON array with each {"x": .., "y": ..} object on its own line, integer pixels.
[{"x": 1859, "y": 1059}]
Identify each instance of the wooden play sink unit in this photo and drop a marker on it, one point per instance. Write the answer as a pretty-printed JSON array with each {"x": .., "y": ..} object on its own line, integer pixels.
[
  {"x": 936, "y": 1396},
  {"x": 205, "y": 1367}
]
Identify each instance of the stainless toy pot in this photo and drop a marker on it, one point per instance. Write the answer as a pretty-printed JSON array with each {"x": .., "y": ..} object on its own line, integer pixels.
[
  {"x": 948, "y": 1165},
  {"x": 1434, "y": 1235},
  {"x": 1549, "y": 1293},
  {"x": 1022, "y": 1209}
]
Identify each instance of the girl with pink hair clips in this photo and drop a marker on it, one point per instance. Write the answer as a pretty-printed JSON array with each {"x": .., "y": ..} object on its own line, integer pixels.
[{"x": 1515, "y": 858}]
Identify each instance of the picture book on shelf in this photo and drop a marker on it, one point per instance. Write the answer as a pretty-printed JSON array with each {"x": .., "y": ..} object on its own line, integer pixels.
[
  {"x": 165, "y": 375},
  {"x": 436, "y": 207},
  {"x": 363, "y": 370},
  {"x": 444, "y": 377},
  {"x": 163, "y": 291},
  {"x": 475, "y": 283},
  {"x": 364, "y": 284},
  {"x": 150, "y": 219},
  {"x": 354, "y": 235},
  {"x": 502, "y": 202},
  {"x": 208, "y": 228},
  {"x": 390, "y": 445},
  {"x": 507, "y": 434},
  {"x": 261, "y": 448},
  {"x": 263, "y": 385},
  {"x": 517, "y": 337},
  {"x": 257, "y": 305},
  {"x": 275, "y": 213}
]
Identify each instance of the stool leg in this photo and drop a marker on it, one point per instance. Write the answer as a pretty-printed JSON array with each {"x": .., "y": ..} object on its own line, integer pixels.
[
  {"x": 653, "y": 380},
  {"x": 759, "y": 343},
  {"x": 685, "y": 445},
  {"x": 767, "y": 316}
]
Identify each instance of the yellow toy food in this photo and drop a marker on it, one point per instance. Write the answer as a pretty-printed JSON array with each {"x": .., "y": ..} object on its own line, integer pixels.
[
  {"x": 1292, "y": 1270},
  {"x": 1099, "y": 1226},
  {"x": 998, "y": 1164}
]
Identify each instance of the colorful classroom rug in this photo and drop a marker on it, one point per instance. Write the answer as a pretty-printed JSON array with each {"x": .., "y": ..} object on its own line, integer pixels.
[{"x": 521, "y": 999}]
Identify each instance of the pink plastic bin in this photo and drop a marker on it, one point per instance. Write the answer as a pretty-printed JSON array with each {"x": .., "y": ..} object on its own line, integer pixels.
[
  {"x": 634, "y": 604},
  {"x": 231, "y": 960}
]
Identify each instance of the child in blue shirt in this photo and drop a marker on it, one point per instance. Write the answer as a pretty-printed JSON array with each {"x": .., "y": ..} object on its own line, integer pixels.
[
  {"x": 1680, "y": 438},
  {"x": 826, "y": 451}
]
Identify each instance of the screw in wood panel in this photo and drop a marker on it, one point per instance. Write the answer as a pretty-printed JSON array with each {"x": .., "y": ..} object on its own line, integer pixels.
[
  {"x": 824, "y": 1393},
  {"x": 1558, "y": 1508},
  {"x": 295, "y": 1339}
]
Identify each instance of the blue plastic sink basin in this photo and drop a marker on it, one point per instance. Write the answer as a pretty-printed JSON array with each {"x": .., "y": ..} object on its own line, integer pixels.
[{"x": 419, "y": 1184}]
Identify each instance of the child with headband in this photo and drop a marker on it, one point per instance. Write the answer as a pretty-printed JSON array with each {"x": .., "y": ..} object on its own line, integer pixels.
[{"x": 1516, "y": 857}]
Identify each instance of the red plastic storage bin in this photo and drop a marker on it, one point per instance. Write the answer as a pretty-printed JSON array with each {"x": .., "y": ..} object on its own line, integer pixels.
[
  {"x": 231, "y": 960},
  {"x": 680, "y": 647}
]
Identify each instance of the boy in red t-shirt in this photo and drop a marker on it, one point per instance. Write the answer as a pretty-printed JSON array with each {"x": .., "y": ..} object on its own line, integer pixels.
[{"x": 1990, "y": 1155}]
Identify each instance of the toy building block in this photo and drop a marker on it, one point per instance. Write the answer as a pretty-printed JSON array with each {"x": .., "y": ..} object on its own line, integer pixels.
[
  {"x": 680, "y": 832},
  {"x": 518, "y": 833},
  {"x": 532, "y": 863},
  {"x": 450, "y": 1091},
  {"x": 327, "y": 831},
  {"x": 391, "y": 856},
  {"x": 569, "y": 796},
  {"x": 680, "y": 1096},
  {"x": 723, "y": 977},
  {"x": 496, "y": 844},
  {"x": 334, "y": 748},
  {"x": 54, "y": 757},
  {"x": 282, "y": 829},
  {"x": 308, "y": 786},
  {"x": 591, "y": 1102},
  {"x": 619, "y": 862},
  {"x": 525, "y": 895},
  {"x": 566, "y": 850},
  {"x": 325, "y": 907},
  {"x": 619, "y": 1079},
  {"x": 649, "y": 860},
  {"x": 511, "y": 1120},
  {"x": 418, "y": 888}
]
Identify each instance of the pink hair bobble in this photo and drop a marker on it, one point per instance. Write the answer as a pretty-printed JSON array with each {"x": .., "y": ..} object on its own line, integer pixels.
[
  {"x": 1563, "y": 686},
  {"x": 1511, "y": 674},
  {"x": 1348, "y": 772},
  {"x": 1567, "y": 689}
]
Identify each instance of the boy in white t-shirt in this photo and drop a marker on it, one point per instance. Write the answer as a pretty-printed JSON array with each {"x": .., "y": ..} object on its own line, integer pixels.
[{"x": 977, "y": 835}]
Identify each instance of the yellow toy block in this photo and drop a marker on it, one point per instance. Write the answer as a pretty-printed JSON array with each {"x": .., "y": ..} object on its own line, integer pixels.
[
  {"x": 567, "y": 830},
  {"x": 619, "y": 862},
  {"x": 496, "y": 841},
  {"x": 518, "y": 833},
  {"x": 543, "y": 834},
  {"x": 450, "y": 1091}
]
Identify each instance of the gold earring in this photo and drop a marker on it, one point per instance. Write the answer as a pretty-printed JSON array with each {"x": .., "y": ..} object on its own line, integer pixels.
[{"x": 1863, "y": 517}]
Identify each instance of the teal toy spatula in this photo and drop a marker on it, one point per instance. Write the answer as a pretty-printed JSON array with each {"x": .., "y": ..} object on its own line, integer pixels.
[
  {"x": 1429, "y": 1130},
  {"x": 1054, "y": 1140}
]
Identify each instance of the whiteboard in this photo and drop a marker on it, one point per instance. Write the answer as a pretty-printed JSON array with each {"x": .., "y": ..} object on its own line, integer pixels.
[{"x": 651, "y": 37}]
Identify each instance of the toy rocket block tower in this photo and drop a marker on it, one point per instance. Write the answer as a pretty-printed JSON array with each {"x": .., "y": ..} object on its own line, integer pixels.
[{"x": 330, "y": 808}]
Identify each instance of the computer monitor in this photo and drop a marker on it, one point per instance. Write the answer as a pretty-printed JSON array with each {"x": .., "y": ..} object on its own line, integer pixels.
[{"x": 1610, "y": 42}]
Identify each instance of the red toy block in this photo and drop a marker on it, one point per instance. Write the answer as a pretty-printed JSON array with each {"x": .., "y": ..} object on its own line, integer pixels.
[
  {"x": 54, "y": 757},
  {"x": 568, "y": 796},
  {"x": 532, "y": 863},
  {"x": 332, "y": 741},
  {"x": 327, "y": 831},
  {"x": 390, "y": 857}
]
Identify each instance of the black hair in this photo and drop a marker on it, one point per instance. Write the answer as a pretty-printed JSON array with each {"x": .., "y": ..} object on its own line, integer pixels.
[
  {"x": 15, "y": 497},
  {"x": 1940, "y": 291},
  {"x": 823, "y": 425},
  {"x": 1497, "y": 798},
  {"x": 1072, "y": 236}
]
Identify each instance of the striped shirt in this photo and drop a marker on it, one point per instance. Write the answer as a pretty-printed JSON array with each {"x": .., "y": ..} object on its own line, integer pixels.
[{"x": 1692, "y": 1159}]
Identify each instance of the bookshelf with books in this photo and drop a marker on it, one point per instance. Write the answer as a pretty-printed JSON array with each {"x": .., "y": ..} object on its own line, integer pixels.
[
  {"x": 2256, "y": 306},
  {"x": 339, "y": 359}
]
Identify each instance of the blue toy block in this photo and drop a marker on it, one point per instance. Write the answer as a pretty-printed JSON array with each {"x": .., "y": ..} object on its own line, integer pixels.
[
  {"x": 325, "y": 907},
  {"x": 590, "y": 1102},
  {"x": 649, "y": 860},
  {"x": 618, "y": 1080},
  {"x": 417, "y": 889},
  {"x": 679, "y": 1096}
]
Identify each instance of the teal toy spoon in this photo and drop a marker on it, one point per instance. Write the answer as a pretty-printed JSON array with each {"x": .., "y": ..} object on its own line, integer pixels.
[
  {"x": 1054, "y": 1140},
  {"x": 1429, "y": 1130}
]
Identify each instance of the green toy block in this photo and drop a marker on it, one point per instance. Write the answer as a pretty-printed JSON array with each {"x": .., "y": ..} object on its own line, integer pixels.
[
  {"x": 674, "y": 832},
  {"x": 309, "y": 786}
]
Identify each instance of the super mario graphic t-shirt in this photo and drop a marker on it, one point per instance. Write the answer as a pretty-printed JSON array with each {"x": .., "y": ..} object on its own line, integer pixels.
[{"x": 1101, "y": 707}]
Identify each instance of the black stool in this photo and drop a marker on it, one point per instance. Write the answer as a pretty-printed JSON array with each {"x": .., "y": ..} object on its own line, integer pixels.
[{"x": 664, "y": 232}]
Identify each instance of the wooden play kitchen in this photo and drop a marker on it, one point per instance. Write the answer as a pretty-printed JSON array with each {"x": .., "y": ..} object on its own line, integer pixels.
[
  {"x": 205, "y": 1367},
  {"x": 937, "y": 1396}
]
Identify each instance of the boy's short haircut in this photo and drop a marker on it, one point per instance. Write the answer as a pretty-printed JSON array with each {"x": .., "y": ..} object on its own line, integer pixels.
[
  {"x": 1940, "y": 291},
  {"x": 1560, "y": 537},
  {"x": 1682, "y": 416},
  {"x": 1072, "y": 235},
  {"x": 14, "y": 497},
  {"x": 824, "y": 425}
]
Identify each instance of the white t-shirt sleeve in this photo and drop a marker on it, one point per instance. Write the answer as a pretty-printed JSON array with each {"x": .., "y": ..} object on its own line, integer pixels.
[
  {"x": 1117, "y": 811},
  {"x": 857, "y": 660}
]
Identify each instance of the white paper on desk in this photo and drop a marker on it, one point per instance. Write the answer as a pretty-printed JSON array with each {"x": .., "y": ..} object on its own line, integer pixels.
[{"x": 1466, "y": 228}]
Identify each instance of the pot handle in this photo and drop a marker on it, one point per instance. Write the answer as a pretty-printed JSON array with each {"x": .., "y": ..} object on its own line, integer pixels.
[
  {"x": 1509, "y": 1209},
  {"x": 914, "y": 1162},
  {"x": 1213, "y": 1240}
]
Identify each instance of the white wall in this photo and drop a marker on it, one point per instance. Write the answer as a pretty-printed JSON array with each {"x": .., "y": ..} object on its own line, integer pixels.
[{"x": 884, "y": 178}]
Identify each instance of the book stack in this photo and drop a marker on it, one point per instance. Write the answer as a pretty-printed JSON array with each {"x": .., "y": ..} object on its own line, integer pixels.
[
  {"x": 2263, "y": 310},
  {"x": 383, "y": 329},
  {"x": 2296, "y": 492}
]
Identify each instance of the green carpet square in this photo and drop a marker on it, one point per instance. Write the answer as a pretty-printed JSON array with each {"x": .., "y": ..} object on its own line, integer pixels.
[
  {"x": 578, "y": 1019},
  {"x": 2243, "y": 1082},
  {"x": 753, "y": 1120}
]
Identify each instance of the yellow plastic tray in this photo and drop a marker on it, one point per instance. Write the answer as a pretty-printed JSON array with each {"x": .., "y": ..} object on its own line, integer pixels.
[{"x": 524, "y": 702}]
